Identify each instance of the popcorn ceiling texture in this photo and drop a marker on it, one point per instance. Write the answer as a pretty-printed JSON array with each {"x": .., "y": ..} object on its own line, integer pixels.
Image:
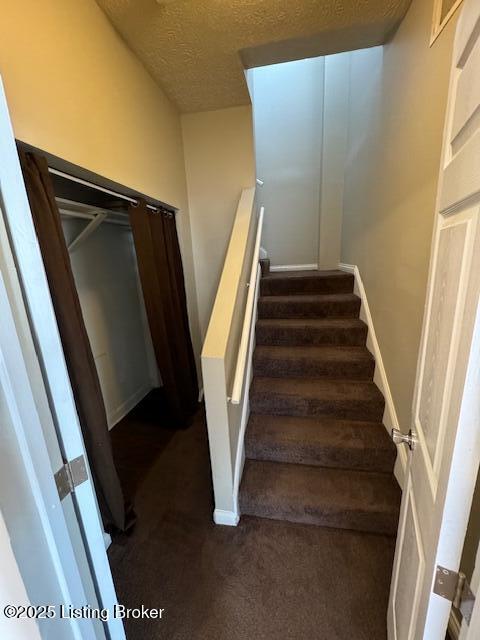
[{"x": 197, "y": 49}]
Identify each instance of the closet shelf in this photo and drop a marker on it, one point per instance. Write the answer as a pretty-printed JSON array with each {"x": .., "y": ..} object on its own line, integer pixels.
[{"x": 95, "y": 215}]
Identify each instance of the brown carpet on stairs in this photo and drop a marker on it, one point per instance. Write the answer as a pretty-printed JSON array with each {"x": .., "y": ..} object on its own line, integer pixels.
[
  {"x": 317, "y": 451},
  {"x": 263, "y": 580}
]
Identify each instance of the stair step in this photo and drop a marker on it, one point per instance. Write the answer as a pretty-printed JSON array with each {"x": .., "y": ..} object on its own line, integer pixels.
[
  {"x": 339, "y": 305},
  {"x": 343, "y": 399},
  {"x": 353, "y": 363},
  {"x": 320, "y": 442},
  {"x": 298, "y": 332},
  {"x": 344, "y": 499},
  {"x": 306, "y": 282}
]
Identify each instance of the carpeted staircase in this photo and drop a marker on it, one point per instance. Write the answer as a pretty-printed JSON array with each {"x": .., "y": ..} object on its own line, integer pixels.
[{"x": 316, "y": 449}]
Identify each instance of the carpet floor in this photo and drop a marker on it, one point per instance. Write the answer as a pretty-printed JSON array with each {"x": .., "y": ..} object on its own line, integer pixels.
[{"x": 262, "y": 580}]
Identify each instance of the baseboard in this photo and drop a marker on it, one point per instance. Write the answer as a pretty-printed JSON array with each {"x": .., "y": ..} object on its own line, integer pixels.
[
  {"x": 125, "y": 407},
  {"x": 349, "y": 268},
  {"x": 454, "y": 625},
  {"x": 294, "y": 267},
  {"x": 227, "y": 518},
  {"x": 390, "y": 418}
]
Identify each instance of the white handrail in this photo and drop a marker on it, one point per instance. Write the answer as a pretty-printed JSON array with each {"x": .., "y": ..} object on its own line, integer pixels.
[{"x": 247, "y": 322}]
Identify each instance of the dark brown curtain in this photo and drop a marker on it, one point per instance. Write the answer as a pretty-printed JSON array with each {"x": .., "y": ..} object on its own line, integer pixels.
[
  {"x": 76, "y": 345},
  {"x": 161, "y": 275}
]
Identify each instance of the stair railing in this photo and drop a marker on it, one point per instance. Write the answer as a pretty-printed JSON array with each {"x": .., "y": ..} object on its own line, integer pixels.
[
  {"x": 249, "y": 320},
  {"x": 227, "y": 354}
]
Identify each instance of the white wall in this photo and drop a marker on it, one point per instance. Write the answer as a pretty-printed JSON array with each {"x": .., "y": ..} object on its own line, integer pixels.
[
  {"x": 335, "y": 136},
  {"x": 106, "y": 275},
  {"x": 288, "y": 115}
]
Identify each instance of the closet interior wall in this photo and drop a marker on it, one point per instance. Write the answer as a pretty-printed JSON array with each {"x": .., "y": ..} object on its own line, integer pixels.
[{"x": 105, "y": 269}]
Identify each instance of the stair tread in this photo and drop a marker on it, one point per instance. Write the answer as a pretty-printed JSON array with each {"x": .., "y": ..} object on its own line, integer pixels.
[
  {"x": 306, "y": 273},
  {"x": 327, "y": 432},
  {"x": 321, "y": 352},
  {"x": 318, "y": 388},
  {"x": 302, "y": 298},
  {"x": 311, "y": 323},
  {"x": 302, "y": 492}
]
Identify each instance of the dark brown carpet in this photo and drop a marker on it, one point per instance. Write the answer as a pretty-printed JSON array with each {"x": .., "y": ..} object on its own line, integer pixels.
[
  {"x": 261, "y": 580},
  {"x": 316, "y": 449}
]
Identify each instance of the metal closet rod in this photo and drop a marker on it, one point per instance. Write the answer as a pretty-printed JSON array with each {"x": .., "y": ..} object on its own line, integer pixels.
[{"x": 98, "y": 188}]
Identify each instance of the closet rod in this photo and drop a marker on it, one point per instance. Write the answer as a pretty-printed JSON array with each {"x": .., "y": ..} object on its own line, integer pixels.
[{"x": 98, "y": 188}]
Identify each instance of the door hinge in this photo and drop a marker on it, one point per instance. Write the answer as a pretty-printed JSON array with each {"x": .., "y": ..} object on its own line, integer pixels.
[
  {"x": 71, "y": 475},
  {"x": 454, "y": 587}
]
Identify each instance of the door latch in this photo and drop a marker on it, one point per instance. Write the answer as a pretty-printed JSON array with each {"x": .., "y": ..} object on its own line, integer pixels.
[{"x": 410, "y": 438}]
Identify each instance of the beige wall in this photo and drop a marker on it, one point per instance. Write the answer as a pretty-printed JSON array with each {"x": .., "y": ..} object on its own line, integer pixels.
[
  {"x": 75, "y": 90},
  {"x": 397, "y": 106},
  {"x": 219, "y": 161}
]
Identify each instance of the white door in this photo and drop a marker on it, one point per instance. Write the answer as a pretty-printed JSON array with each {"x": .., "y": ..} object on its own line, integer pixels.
[
  {"x": 29, "y": 499},
  {"x": 59, "y": 545},
  {"x": 441, "y": 472}
]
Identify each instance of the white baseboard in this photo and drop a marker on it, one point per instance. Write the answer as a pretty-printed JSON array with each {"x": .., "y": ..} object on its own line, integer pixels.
[
  {"x": 349, "y": 268},
  {"x": 390, "y": 418},
  {"x": 227, "y": 518},
  {"x": 294, "y": 267},
  {"x": 113, "y": 417}
]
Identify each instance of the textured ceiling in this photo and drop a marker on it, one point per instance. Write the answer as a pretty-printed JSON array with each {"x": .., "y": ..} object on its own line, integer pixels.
[{"x": 197, "y": 49}]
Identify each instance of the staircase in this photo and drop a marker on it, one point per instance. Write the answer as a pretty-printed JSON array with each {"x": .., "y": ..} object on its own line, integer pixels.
[{"x": 316, "y": 449}]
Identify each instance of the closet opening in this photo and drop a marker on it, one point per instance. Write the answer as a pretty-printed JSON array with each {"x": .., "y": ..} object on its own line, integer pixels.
[{"x": 114, "y": 269}]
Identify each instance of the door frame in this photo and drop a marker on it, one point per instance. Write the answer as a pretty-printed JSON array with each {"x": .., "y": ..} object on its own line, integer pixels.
[{"x": 24, "y": 248}]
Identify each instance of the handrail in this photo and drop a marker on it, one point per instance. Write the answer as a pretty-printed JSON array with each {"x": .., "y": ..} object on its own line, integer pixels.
[{"x": 248, "y": 319}]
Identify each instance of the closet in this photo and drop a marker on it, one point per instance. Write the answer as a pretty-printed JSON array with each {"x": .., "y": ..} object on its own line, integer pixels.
[
  {"x": 104, "y": 265},
  {"x": 113, "y": 265}
]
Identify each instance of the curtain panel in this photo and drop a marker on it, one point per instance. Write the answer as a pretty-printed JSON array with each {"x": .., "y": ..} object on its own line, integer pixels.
[
  {"x": 161, "y": 275},
  {"x": 76, "y": 346}
]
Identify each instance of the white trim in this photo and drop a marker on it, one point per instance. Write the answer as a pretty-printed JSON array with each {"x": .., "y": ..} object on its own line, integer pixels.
[
  {"x": 125, "y": 407},
  {"x": 240, "y": 457},
  {"x": 243, "y": 349},
  {"x": 390, "y": 418},
  {"x": 438, "y": 25},
  {"x": 227, "y": 518},
  {"x": 349, "y": 268},
  {"x": 294, "y": 267}
]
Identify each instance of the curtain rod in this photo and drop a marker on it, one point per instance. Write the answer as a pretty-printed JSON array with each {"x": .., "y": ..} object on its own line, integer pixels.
[{"x": 98, "y": 188}]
